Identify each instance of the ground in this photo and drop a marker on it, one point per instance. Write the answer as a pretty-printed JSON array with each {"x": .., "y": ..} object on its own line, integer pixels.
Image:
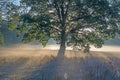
[{"x": 42, "y": 64}]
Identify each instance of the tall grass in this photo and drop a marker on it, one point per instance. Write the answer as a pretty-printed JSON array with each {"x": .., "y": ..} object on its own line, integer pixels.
[{"x": 43, "y": 65}]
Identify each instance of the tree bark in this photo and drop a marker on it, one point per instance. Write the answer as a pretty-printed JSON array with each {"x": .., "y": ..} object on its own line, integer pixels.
[
  {"x": 62, "y": 14},
  {"x": 61, "y": 51}
]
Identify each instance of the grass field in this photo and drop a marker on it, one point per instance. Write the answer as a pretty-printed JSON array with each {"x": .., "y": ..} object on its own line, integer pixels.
[{"x": 42, "y": 64}]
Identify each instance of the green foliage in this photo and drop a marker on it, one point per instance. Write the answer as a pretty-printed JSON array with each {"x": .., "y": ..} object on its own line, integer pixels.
[
  {"x": 0, "y": 16},
  {"x": 38, "y": 30},
  {"x": 12, "y": 26},
  {"x": 1, "y": 39},
  {"x": 77, "y": 22}
]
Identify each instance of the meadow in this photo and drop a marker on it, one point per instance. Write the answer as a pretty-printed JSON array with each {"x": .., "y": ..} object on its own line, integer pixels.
[{"x": 42, "y": 64}]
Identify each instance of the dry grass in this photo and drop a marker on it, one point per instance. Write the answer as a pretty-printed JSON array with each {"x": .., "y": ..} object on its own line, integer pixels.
[{"x": 41, "y": 64}]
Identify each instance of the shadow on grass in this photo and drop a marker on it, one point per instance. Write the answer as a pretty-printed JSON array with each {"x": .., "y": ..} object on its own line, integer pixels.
[
  {"x": 41, "y": 73},
  {"x": 98, "y": 69},
  {"x": 8, "y": 67},
  {"x": 89, "y": 68}
]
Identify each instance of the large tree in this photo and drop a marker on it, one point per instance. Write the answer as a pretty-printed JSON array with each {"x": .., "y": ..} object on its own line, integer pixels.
[{"x": 76, "y": 23}]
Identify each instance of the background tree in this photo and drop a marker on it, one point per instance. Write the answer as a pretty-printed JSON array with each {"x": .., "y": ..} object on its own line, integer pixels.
[
  {"x": 2, "y": 11},
  {"x": 76, "y": 23},
  {"x": 3, "y": 18}
]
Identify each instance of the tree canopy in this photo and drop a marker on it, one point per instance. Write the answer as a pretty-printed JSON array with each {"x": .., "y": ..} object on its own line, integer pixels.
[{"x": 76, "y": 23}]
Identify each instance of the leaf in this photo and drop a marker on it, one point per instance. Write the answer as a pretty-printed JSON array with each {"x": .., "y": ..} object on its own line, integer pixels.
[{"x": 12, "y": 25}]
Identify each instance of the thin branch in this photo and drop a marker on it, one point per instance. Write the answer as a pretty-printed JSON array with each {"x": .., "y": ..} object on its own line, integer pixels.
[
  {"x": 57, "y": 9},
  {"x": 55, "y": 28},
  {"x": 67, "y": 8},
  {"x": 62, "y": 10}
]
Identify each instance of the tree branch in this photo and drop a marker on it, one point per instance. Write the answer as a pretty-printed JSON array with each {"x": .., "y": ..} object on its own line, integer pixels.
[
  {"x": 55, "y": 28},
  {"x": 57, "y": 9}
]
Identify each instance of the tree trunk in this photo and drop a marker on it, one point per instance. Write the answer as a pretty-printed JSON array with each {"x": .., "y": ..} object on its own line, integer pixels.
[{"x": 61, "y": 51}]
